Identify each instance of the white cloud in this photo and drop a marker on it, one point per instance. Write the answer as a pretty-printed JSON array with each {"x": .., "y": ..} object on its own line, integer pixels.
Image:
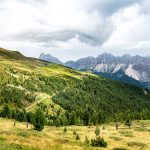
[
  {"x": 70, "y": 29},
  {"x": 132, "y": 32}
]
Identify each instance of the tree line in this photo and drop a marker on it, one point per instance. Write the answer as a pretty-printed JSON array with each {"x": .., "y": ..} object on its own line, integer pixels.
[{"x": 39, "y": 118}]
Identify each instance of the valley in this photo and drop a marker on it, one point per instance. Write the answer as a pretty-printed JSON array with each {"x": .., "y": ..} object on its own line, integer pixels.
[{"x": 31, "y": 89}]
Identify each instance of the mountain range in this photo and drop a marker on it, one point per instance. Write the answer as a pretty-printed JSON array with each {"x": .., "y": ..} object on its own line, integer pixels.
[{"x": 126, "y": 68}]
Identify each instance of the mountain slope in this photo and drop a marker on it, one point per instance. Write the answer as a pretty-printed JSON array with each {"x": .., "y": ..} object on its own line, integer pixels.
[
  {"x": 7, "y": 54},
  {"x": 137, "y": 68},
  {"x": 65, "y": 95}
]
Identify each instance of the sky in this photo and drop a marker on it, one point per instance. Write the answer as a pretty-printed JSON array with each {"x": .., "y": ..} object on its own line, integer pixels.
[{"x": 71, "y": 29}]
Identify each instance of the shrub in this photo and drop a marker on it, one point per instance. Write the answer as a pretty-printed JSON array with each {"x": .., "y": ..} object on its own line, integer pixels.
[
  {"x": 87, "y": 141},
  {"x": 65, "y": 130},
  {"x": 77, "y": 137},
  {"x": 98, "y": 142},
  {"x": 74, "y": 133},
  {"x": 97, "y": 131},
  {"x": 2, "y": 139}
]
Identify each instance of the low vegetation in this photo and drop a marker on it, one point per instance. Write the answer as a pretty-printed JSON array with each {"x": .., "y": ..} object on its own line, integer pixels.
[
  {"x": 136, "y": 144},
  {"x": 54, "y": 138}
]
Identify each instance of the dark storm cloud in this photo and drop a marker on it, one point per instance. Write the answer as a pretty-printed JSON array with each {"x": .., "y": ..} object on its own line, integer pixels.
[{"x": 65, "y": 35}]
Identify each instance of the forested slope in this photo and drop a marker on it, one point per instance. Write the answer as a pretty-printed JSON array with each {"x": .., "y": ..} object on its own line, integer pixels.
[{"x": 65, "y": 95}]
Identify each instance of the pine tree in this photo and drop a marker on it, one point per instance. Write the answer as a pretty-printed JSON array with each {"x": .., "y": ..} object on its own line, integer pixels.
[
  {"x": 39, "y": 120},
  {"x": 77, "y": 137},
  {"x": 6, "y": 112},
  {"x": 97, "y": 131}
]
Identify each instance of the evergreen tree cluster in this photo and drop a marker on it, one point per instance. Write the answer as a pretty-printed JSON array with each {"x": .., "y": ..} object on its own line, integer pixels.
[
  {"x": 37, "y": 119},
  {"x": 96, "y": 100},
  {"x": 88, "y": 101}
]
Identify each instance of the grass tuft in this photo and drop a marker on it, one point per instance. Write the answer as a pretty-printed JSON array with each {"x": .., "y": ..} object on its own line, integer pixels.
[
  {"x": 115, "y": 138},
  {"x": 126, "y": 133},
  {"x": 136, "y": 144}
]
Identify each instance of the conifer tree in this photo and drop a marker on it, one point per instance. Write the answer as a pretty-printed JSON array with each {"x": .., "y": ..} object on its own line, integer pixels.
[{"x": 39, "y": 120}]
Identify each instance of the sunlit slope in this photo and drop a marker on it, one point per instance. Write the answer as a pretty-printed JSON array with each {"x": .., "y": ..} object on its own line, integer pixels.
[
  {"x": 54, "y": 138},
  {"x": 12, "y": 55},
  {"x": 23, "y": 81}
]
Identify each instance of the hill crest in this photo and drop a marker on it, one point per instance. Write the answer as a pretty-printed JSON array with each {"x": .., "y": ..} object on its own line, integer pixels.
[{"x": 9, "y": 54}]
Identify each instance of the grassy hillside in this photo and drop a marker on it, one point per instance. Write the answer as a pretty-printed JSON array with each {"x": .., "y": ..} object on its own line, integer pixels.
[
  {"x": 65, "y": 95},
  {"x": 7, "y": 54},
  {"x": 53, "y": 138}
]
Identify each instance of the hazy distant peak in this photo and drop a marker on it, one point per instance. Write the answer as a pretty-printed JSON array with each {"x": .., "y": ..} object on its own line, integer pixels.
[
  {"x": 126, "y": 56},
  {"x": 50, "y": 58}
]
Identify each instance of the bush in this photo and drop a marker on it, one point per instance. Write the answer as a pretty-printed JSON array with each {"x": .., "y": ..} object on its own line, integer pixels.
[
  {"x": 97, "y": 131},
  {"x": 87, "y": 141},
  {"x": 77, "y": 137},
  {"x": 74, "y": 133},
  {"x": 98, "y": 142},
  {"x": 65, "y": 130},
  {"x": 2, "y": 139}
]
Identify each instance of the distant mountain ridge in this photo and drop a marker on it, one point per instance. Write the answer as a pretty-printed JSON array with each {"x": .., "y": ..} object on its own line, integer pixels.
[
  {"x": 126, "y": 68},
  {"x": 120, "y": 68},
  {"x": 50, "y": 58}
]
